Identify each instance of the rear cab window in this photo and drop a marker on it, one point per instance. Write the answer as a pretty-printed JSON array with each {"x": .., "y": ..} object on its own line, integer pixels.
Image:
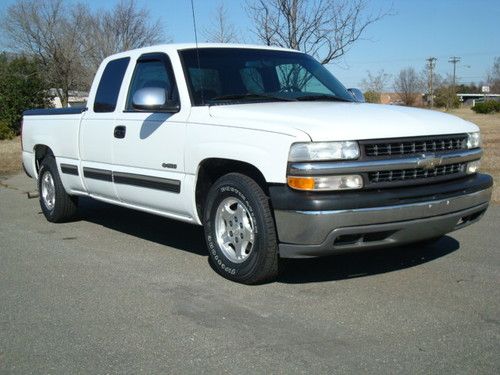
[{"x": 109, "y": 85}]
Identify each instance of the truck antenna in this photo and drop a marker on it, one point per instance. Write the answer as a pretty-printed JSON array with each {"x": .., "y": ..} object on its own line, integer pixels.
[{"x": 197, "y": 52}]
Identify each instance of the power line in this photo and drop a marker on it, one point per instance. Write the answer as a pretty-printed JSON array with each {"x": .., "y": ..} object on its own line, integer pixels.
[{"x": 361, "y": 62}]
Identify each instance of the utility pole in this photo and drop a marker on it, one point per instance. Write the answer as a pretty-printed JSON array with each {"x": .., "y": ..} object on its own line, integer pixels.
[
  {"x": 431, "y": 63},
  {"x": 454, "y": 60}
]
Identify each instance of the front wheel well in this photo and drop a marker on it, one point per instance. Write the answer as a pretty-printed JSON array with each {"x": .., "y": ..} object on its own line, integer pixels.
[{"x": 210, "y": 170}]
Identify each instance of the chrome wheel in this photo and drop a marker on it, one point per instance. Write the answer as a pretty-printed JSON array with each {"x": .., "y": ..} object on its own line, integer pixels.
[
  {"x": 234, "y": 229},
  {"x": 48, "y": 190}
]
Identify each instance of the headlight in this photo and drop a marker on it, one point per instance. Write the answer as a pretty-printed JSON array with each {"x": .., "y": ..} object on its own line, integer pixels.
[
  {"x": 326, "y": 183},
  {"x": 474, "y": 140},
  {"x": 315, "y": 151}
]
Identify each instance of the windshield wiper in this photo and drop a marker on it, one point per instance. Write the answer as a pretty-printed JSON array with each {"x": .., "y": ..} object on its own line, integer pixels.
[
  {"x": 250, "y": 96},
  {"x": 323, "y": 97}
]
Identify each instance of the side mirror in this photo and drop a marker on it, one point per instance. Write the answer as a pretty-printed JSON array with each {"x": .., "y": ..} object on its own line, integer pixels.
[
  {"x": 153, "y": 99},
  {"x": 357, "y": 94}
]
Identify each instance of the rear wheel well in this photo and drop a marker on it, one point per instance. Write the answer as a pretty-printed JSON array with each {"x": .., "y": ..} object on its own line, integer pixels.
[
  {"x": 41, "y": 151},
  {"x": 210, "y": 170}
]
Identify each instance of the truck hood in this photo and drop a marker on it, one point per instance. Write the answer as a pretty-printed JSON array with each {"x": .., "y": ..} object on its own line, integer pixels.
[{"x": 329, "y": 121}]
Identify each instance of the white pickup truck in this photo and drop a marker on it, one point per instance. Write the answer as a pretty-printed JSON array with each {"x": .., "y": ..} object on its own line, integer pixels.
[{"x": 265, "y": 148}]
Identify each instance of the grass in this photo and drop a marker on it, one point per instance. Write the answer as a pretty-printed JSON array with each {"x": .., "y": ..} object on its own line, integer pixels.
[
  {"x": 10, "y": 156},
  {"x": 490, "y": 131},
  {"x": 10, "y": 151}
]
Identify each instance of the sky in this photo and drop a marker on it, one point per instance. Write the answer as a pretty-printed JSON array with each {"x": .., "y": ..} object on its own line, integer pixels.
[{"x": 419, "y": 29}]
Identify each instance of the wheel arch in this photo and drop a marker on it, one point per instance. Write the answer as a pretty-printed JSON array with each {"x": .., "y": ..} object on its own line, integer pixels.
[
  {"x": 40, "y": 151},
  {"x": 211, "y": 169}
]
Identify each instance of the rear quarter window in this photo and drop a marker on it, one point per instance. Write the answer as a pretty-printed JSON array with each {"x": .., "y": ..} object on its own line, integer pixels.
[{"x": 109, "y": 86}]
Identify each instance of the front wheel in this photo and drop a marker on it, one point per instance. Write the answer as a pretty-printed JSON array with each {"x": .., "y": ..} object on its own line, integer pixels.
[{"x": 240, "y": 231}]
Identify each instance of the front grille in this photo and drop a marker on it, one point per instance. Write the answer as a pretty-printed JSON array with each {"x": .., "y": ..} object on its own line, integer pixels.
[
  {"x": 400, "y": 175},
  {"x": 409, "y": 146}
]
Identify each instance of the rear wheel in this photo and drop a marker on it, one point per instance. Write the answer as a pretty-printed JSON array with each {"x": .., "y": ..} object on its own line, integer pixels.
[
  {"x": 239, "y": 230},
  {"x": 57, "y": 206}
]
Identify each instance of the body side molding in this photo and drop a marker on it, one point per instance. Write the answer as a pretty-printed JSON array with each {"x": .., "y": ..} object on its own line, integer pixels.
[
  {"x": 98, "y": 174},
  {"x": 69, "y": 169},
  {"x": 150, "y": 182}
]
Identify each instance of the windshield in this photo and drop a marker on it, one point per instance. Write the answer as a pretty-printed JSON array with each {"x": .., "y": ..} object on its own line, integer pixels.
[{"x": 237, "y": 75}]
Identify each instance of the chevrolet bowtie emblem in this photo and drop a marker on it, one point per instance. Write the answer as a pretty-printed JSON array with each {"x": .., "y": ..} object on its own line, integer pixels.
[{"x": 429, "y": 161}]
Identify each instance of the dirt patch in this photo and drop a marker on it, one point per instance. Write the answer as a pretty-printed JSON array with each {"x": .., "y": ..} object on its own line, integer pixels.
[
  {"x": 490, "y": 131},
  {"x": 10, "y": 156}
]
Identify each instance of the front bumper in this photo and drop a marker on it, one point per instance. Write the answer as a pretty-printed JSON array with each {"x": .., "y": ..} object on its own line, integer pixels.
[{"x": 323, "y": 224}]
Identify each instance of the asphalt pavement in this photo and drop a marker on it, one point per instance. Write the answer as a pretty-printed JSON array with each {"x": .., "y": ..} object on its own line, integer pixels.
[{"x": 121, "y": 291}]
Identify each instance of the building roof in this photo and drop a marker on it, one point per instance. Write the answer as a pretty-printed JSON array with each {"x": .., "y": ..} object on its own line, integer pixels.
[{"x": 478, "y": 95}]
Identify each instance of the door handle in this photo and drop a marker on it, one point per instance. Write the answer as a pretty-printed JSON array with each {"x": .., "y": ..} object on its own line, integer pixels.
[{"x": 120, "y": 131}]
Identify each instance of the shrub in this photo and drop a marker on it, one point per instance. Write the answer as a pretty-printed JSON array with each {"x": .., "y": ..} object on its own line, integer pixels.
[
  {"x": 22, "y": 86},
  {"x": 5, "y": 131},
  {"x": 446, "y": 97},
  {"x": 372, "y": 97},
  {"x": 489, "y": 106}
]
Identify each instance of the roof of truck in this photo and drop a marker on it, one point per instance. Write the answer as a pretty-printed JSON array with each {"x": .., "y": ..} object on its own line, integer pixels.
[{"x": 182, "y": 46}]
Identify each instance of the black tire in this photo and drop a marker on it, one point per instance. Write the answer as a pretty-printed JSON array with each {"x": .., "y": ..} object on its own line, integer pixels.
[
  {"x": 65, "y": 206},
  {"x": 261, "y": 265}
]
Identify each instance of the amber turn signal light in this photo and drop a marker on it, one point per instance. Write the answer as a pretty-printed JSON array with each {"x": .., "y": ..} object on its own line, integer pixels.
[{"x": 301, "y": 183}]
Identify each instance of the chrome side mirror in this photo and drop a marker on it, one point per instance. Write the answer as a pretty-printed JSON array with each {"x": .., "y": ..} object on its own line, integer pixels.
[
  {"x": 357, "y": 94},
  {"x": 153, "y": 99}
]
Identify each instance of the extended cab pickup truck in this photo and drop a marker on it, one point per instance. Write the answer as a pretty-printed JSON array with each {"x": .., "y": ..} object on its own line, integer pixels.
[{"x": 265, "y": 148}]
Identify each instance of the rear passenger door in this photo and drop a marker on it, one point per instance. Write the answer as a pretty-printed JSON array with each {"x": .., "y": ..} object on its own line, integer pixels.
[
  {"x": 96, "y": 131},
  {"x": 149, "y": 158}
]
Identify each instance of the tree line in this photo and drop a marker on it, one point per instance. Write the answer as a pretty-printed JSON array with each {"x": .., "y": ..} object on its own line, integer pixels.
[
  {"x": 63, "y": 43},
  {"x": 409, "y": 85},
  {"x": 57, "y": 44}
]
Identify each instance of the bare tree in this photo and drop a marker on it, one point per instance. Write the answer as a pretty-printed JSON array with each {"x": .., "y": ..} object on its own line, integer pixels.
[
  {"x": 326, "y": 29},
  {"x": 71, "y": 42},
  {"x": 51, "y": 32},
  {"x": 121, "y": 28},
  {"x": 221, "y": 29},
  {"x": 408, "y": 86},
  {"x": 374, "y": 85}
]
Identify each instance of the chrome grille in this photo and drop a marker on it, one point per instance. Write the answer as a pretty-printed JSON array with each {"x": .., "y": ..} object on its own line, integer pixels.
[
  {"x": 415, "y": 174},
  {"x": 407, "y": 146}
]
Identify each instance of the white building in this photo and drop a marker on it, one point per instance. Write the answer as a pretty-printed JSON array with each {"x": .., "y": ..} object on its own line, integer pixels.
[{"x": 76, "y": 98}]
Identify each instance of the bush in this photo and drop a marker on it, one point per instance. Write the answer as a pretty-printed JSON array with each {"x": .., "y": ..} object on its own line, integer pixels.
[
  {"x": 489, "y": 106},
  {"x": 372, "y": 97},
  {"x": 5, "y": 131},
  {"x": 22, "y": 86},
  {"x": 445, "y": 97}
]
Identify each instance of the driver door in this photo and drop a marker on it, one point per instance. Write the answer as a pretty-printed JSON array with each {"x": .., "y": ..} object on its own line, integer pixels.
[{"x": 148, "y": 154}]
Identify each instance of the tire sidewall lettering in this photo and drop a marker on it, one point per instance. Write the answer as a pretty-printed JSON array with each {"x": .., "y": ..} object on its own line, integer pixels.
[{"x": 220, "y": 261}]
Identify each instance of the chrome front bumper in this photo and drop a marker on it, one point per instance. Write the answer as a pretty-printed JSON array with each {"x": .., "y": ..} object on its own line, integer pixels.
[{"x": 316, "y": 233}]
